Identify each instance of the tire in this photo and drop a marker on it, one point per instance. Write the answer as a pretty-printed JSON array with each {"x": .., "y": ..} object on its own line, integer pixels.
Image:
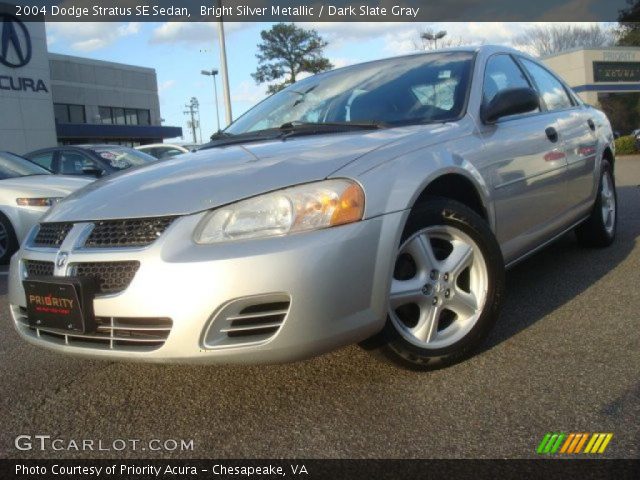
[
  {"x": 468, "y": 279},
  {"x": 8, "y": 240},
  {"x": 599, "y": 230}
]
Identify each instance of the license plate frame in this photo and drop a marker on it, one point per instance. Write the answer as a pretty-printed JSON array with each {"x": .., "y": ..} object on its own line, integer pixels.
[{"x": 61, "y": 303}]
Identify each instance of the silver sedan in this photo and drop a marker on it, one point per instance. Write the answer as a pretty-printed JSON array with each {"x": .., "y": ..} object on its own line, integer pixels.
[
  {"x": 27, "y": 191},
  {"x": 378, "y": 203}
]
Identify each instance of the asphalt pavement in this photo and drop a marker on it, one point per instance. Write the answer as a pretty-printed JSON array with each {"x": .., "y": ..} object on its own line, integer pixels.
[{"x": 565, "y": 357}]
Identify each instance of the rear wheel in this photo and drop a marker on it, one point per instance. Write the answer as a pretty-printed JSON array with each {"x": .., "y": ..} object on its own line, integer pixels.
[
  {"x": 599, "y": 230},
  {"x": 8, "y": 241},
  {"x": 447, "y": 286}
]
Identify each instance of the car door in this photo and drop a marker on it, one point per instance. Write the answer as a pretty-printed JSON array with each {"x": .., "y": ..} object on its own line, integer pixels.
[
  {"x": 577, "y": 130},
  {"x": 524, "y": 158}
]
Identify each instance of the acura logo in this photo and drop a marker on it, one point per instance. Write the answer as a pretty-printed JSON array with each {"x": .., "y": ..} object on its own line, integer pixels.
[{"x": 15, "y": 42}]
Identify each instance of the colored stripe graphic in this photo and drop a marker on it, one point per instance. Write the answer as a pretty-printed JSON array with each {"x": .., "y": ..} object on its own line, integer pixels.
[
  {"x": 543, "y": 443},
  {"x": 567, "y": 442},
  {"x": 605, "y": 442},
  {"x": 572, "y": 443},
  {"x": 581, "y": 443}
]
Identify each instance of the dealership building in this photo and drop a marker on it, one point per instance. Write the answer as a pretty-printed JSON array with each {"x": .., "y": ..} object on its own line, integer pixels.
[
  {"x": 48, "y": 99},
  {"x": 598, "y": 72}
]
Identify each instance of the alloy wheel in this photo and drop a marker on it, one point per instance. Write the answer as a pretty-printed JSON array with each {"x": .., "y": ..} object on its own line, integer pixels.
[
  {"x": 439, "y": 287},
  {"x": 608, "y": 202}
]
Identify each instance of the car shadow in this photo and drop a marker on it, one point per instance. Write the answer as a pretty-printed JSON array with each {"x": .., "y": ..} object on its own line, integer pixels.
[{"x": 558, "y": 273}]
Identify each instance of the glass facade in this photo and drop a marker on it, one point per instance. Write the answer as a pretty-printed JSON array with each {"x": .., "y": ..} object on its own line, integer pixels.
[
  {"x": 68, "y": 113},
  {"x": 124, "y": 116}
]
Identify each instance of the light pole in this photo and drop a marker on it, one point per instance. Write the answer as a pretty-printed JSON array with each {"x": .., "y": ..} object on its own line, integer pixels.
[
  {"x": 192, "y": 110},
  {"x": 223, "y": 70},
  {"x": 212, "y": 73},
  {"x": 434, "y": 37}
]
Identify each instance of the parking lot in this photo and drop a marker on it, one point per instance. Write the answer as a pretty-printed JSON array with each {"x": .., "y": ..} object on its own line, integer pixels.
[{"x": 564, "y": 357}]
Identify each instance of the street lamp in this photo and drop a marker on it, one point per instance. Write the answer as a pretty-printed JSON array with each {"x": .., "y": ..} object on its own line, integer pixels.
[
  {"x": 434, "y": 37},
  {"x": 223, "y": 69},
  {"x": 212, "y": 73}
]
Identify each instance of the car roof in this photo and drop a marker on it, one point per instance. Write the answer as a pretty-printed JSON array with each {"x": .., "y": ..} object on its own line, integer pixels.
[
  {"x": 156, "y": 145},
  {"x": 90, "y": 146}
]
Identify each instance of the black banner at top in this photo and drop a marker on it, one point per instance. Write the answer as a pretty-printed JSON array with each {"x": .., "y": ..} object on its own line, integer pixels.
[{"x": 319, "y": 10}]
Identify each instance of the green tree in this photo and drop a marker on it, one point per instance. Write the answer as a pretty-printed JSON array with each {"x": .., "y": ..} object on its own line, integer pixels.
[
  {"x": 628, "y": 25},
  {"x": 285, "y": 52}
]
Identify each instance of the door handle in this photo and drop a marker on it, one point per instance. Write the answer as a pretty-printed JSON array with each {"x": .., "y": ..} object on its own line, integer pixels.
[
  {"x": 592, "y": 125},
  {"x": 552, "y": 134}
]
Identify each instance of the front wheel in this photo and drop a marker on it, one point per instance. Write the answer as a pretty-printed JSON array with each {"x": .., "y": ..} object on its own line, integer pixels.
[
  {"x": 447, "y": 286},
  {"x": 8, "y": 241}
]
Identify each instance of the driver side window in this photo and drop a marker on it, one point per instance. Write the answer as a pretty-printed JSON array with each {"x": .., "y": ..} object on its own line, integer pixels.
[{"x": 501, "y": 73}]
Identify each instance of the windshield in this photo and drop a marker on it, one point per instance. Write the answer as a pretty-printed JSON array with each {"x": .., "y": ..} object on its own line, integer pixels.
[
  {"x": 421, "y": 88},
  {"x": 121, "y": 158},
  {"x": 12, "y": 166}
]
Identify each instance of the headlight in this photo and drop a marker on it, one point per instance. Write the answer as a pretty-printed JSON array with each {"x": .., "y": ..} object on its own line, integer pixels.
[
  {"x": 297, "y": 209},
  {"x": 37, "y": 202}
]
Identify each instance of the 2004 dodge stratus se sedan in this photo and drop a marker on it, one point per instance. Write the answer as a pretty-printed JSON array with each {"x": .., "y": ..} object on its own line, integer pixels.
[{"x": 378, "y": 202}]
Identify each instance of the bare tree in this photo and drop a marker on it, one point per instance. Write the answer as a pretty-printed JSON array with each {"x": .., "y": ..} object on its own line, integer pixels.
[
  {"x": 542, "y": 40},
  {"x": 422, "y": 43}
]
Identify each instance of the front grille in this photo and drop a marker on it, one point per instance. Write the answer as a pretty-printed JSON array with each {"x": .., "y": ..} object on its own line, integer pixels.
[
  {"x": 127, "y": 233},
  {"x": 51, "y": 235},
  {"x": 111, "y": 277},
  {"x": 112, "y": 333},
  {"x": 248, "y": 320},
  {"x": 38, "y": 268}
]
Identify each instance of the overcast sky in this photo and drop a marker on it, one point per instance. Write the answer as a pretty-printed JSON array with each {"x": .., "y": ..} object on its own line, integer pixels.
[{"x": 179, "y": 51}]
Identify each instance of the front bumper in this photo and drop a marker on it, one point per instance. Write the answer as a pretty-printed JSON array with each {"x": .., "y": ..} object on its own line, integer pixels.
[{"x": 335, "y": 279}]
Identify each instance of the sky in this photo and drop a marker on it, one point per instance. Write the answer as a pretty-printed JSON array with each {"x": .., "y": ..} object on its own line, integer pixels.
[{"x": 179, "y": 51}]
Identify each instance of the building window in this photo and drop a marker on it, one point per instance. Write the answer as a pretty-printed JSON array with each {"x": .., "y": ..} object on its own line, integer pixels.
[
  {"x": 76, "y": 114},
  {"x": 124, "y": 116},
  {"x": 105, "y": 115},
  {"x": 144, "y": 117},
  {"x": 131, "y": 116},
  {"x": 67, "y": 113},
  {"x": 118, "y": 116}
]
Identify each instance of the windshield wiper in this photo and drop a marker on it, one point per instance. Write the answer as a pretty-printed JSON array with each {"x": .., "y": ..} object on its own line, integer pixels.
[
  {"x": 288, "y": 129},
  {"x": 222, "y": 139},
  {"x": 220, "y": 134}
]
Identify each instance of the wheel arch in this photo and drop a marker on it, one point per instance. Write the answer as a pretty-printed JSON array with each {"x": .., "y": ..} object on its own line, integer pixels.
[
  {"x": 607, "y": 155},
  {"x": 458, "y": 186}
]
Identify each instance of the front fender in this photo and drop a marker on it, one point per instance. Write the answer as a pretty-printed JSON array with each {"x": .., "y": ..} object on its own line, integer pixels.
[{"x": 395, "y": 185}]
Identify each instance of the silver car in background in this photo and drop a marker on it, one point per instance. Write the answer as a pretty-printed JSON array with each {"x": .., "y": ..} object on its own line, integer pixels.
[
  {"x": 27, "y": 191},
  {"x": 377, "y": 203}
]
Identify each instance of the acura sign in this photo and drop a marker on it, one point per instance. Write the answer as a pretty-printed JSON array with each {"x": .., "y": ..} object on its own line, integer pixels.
[
  {"x": 15, "y": 52},
  {"x": 15, "y": 42}
]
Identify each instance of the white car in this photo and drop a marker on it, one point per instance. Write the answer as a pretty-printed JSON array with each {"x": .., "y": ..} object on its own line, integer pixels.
[
  {"x": 162, "y": 150},
  {"x": 26, "y": 193}
]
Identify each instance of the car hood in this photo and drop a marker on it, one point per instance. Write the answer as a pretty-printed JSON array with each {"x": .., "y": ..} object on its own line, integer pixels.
[
  {"x": 45, "y": 185},
  {"x": 218, "y": 176}
]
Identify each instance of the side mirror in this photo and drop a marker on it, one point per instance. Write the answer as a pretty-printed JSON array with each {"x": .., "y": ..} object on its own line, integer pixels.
[{"x": 510, "y": 102}]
